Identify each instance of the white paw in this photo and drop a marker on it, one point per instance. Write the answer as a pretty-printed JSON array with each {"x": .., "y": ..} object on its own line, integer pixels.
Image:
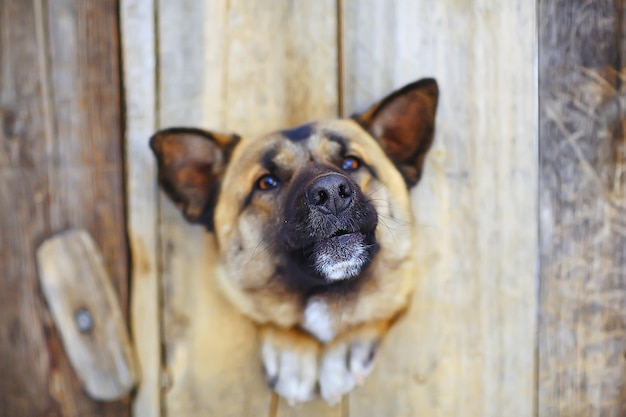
[
  {"x": 344, "y": 365},
  {"x": 292, "y": 373}
]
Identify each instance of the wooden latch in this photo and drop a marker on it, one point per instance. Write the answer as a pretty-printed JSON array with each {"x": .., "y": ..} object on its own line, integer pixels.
[{"x": 87, "y": 314}]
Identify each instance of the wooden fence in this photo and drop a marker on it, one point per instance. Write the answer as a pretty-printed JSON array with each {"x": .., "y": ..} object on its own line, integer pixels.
[{"x": 520, "y": 309}]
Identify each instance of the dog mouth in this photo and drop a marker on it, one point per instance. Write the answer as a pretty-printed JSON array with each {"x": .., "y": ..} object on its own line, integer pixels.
[
  {"x": 340, "y": 244},
  {"x": 343, "y": 255}
]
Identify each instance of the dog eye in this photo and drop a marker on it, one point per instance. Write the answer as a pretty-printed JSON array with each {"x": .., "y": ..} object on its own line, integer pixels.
[
  {"x": 267, "y": 182},
  {"x": 350, "y": 163}
]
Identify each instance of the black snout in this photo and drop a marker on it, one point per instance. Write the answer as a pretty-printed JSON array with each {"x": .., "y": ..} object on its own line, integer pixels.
[{"x": 330, "y": 194}]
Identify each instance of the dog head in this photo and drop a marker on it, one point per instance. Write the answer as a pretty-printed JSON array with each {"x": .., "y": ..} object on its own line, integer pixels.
[{"x": 310, "y": 206}]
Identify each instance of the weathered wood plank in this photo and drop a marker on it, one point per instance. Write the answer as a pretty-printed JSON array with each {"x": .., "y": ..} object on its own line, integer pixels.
[
  {"x": 23, "y": 187},
  {"x": 467, "y": 346},
  {"x": 232, "y": 66},
  {"x": 139, "y": 59},
  {"x": 582, "y": 324},
  {"x": 60, "y": 166}
]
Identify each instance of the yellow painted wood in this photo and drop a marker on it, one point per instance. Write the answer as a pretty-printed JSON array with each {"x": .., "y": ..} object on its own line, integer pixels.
[
  {"x": 139, "y": 66},
  {"x": 234, "y": 66},
  {"x": 467, "y": 346}
]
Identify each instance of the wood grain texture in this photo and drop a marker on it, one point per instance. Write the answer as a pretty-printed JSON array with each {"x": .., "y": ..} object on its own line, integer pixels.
[
  {"x": 314, "y": 408},
  {"x": 60, "y": 166},
  {"x": 139, "y": 60},
  {"x": 467, "y": 346},
  {"x": 87, "y": 314},
  {"x": 582, "y": 337},
  {"x": 247, "y": 67}
]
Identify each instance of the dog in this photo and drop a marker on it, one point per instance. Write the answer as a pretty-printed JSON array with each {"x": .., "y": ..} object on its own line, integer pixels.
[{"x": 315, "y": 232}]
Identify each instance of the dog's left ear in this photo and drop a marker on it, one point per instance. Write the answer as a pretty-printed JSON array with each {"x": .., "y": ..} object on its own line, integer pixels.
[
  {"x": 191, "y": 164},
  {"x": 404, "y": 125}
]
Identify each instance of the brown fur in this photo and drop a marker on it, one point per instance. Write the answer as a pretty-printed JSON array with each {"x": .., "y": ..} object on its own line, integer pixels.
[{"x": 212, "y": 176}]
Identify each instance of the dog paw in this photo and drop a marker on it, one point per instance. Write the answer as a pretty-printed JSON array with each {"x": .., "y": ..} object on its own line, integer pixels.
[
  {"x": 290, "y": 362},
  {"x": 344, "y": 365}
]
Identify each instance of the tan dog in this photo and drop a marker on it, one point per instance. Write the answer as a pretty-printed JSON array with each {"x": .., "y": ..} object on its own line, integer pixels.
[{"x": 314, "y": 229}]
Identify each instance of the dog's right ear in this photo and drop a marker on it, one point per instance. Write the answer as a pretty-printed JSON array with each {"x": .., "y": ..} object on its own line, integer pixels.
[{"x": 191, "y": 163}]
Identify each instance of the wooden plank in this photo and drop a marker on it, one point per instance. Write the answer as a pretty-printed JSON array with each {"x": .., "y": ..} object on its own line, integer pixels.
[
  {"x": 250, "y": 68},
  {"x": 60, "y": 166},
  {"x": 87, "y": 314},
  {"x": 467, "y": 346},
  {"x": 316, "y": 407},
  {"x": 582, "y": 209},
  {"x": 139, "y": 58},
  {"x": 26, "y": 360}
]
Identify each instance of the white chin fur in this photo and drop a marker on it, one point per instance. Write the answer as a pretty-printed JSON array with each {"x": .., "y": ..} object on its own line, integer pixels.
[{"x": 341, "y": 257}]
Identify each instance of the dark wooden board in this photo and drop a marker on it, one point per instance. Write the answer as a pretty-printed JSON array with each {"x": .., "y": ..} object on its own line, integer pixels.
[
  {"x": 60, "y": 167},
  {"x": 582, "y": 210}
]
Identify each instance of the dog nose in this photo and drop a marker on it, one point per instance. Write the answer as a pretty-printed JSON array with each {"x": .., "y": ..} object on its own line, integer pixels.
[{"x": 331, "y": 194}]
